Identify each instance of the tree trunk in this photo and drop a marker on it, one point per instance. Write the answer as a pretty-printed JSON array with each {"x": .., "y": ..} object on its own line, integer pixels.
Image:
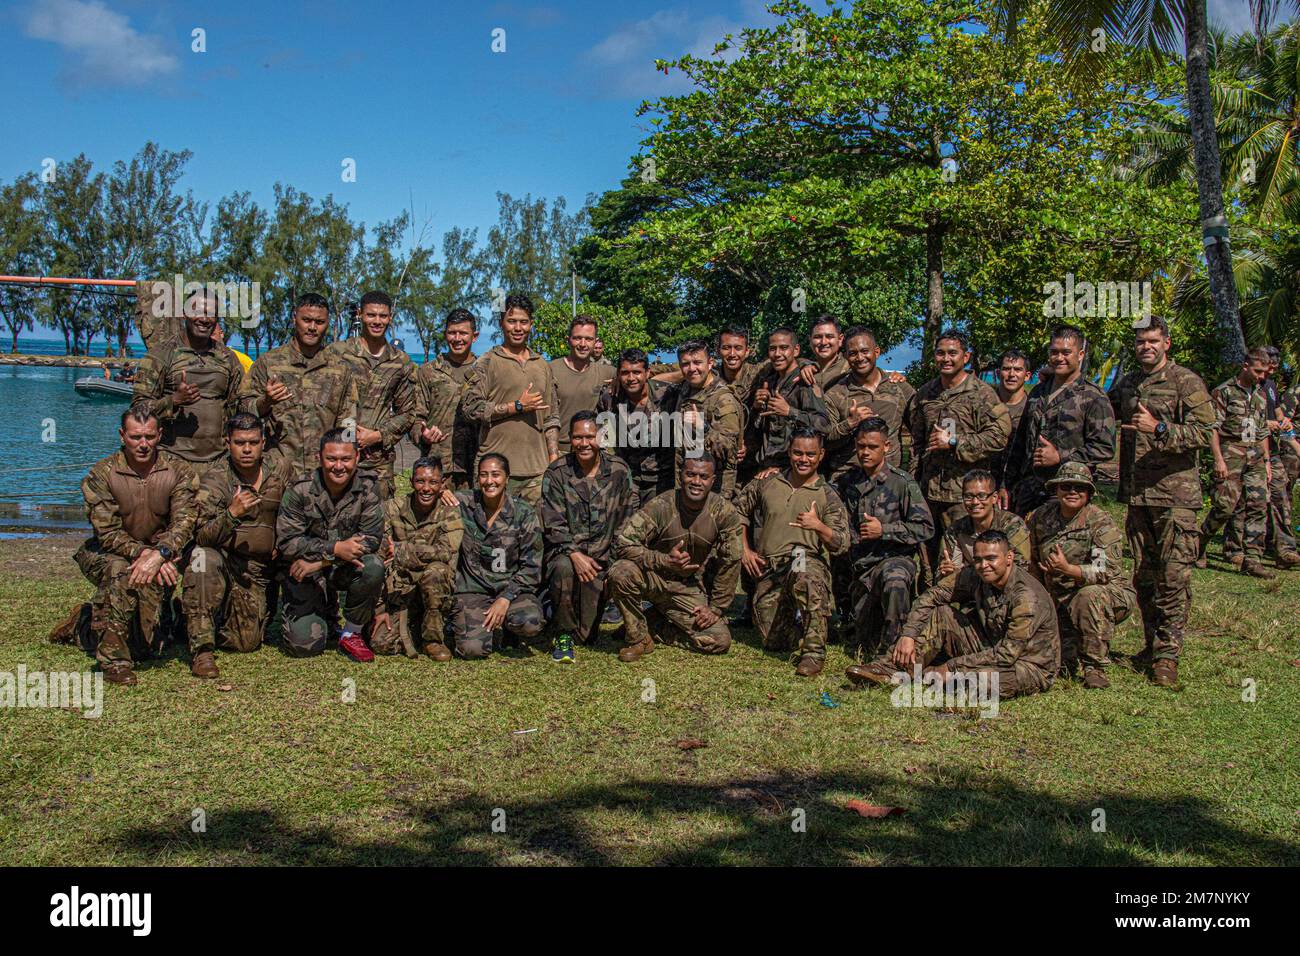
[
  {"x": 67, "y": 344},
  {"x": 934, "y": 289},
  {"x": 1209, "y": 187}
]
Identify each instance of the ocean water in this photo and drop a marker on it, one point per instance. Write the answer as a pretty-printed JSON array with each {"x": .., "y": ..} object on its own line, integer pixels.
[{"x": 50, "y": 438}]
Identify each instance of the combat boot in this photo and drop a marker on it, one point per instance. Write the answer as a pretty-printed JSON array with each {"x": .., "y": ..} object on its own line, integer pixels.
[
  {"x": 204, "y": 665},
  {"x": 66, "y": 631},
  {"x": 1164, "y": 673},
  {"x": 873, "y": 673},
  {"x": 1288, "y": 559},
  {"x": 809, "y": 666},
  {"x": 1235, "y": 560},
  {"x": 634, "y": 652},
  {"x": 120, "y": 672},
  {"x": 1257, "y": 570},
  {"x": 439, "y": 652},
  {"x": 1094, "y": 678}
]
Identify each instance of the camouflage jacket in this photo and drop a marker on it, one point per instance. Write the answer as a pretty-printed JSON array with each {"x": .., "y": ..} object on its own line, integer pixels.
[
  {"x": 1241, "y": 417},
  {"x": 1162, "y": 470},
  {"x": 385, "y": 393},
  {"x": 981, "y": 423},
  {"x": 439, "y": 388},
  {"x": 711, "y": 536},
  {"x": 419, "y": 542},
  {"x": 322, "y": 395},
  {"x": 1018, "y": 623},
  {"x": 887, "y": 400},
  {"x": 721, "y": 427},
  {"x": 768, "y": 506},
  {"x": 1090, "y": 539},
  {"x": 505, "y": 560},
  {"x": 310, "y": 522},
  {"x": 251, "y": 536},
  {"x": 832, "y": 373},
  {"x": 1076, "y": 418},
  {"x": 195, "y": 432},
  {"x": 959, "y": 538},
  {"x": 1289, "y": 404},
  {"x": 584, "y": 514},
  {"x": 641, "y": 436},
  {"x": 894, "y": 499},
  {"x": 767, "y": 438},
  {"x": 130, "y": 514}
]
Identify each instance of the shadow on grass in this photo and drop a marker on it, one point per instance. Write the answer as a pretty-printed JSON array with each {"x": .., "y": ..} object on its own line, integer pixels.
[{"x": 991, "y": 822}]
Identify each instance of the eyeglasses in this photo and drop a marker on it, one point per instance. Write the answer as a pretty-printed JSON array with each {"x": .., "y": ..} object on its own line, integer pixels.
[{"x": 987, "y": 496}]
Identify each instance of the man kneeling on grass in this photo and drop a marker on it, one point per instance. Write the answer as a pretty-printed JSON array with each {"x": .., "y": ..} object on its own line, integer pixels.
[
  {"x": 424, "y": 533},
  {"x": 681, "y": 553},
  {"x": 798, "y": 522},
  {"x": 329, "y": 528},
  {"x": 991, "y": 618},
  {"x": 499, "y": 565}
]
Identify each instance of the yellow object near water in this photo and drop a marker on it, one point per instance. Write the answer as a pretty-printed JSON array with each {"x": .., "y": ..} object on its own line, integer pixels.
[{"x": 244, "y": 360}]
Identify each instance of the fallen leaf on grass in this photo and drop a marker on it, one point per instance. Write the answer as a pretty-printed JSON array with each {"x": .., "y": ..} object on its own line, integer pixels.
[
  {"x": 870, "y": 810},
  {"x": 225, "y": 687},
  {"x": 1295, "y": 663},
  {"x": 691, "y": 743},
  {"x": 910, "y": 769}
]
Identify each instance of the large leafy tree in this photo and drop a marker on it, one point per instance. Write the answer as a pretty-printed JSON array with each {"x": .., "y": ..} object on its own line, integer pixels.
[
  {"x": 530, "y": 249},
  {"x": 76, "y": 234},
  {"x": 22, "y": 249},
  {"x": 1156, "y": 27}
]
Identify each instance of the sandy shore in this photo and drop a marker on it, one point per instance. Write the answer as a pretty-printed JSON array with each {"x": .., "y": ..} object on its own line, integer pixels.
[{"x": 65, "y": 361}]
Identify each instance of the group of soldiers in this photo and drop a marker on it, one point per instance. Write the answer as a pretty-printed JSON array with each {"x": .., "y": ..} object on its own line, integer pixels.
[{"x": 575, "y": 491}]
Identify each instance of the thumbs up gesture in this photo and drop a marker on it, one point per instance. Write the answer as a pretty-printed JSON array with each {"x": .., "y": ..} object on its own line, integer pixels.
[
  {"x": 808, "y": 520},
  {"x": 185, "y": 394},
  {"x": 1143, "y": 421},
  {"x": 1046, "y": 454}
]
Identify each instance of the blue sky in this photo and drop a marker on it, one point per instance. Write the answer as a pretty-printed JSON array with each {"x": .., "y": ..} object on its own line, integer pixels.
[{"x": 413, "y": 92}]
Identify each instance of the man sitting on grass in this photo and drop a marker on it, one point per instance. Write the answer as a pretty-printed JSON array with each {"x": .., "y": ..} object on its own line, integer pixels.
[
  {"x": 329, "y": 528},
  {"x": 991, "y": 617}
]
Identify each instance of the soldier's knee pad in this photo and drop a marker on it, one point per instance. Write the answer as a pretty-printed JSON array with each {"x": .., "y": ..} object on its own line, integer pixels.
[
  {"x": 525, "y": 623},
  {"x": 305, "y": 636}
]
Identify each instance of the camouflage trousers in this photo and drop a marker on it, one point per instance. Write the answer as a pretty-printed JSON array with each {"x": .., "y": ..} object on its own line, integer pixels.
[
  {"x": 380, "y": 469},
  {"x": 673, "y": 612},
  {"x": 787, "y": 603},
  {"x": 524, "y": 619},
  {"x": 578, "y": 607},
  {"x": 529, "y": 489},
  {"x": 1029, "y": 493},
  {"x": 1087, "y": 619},
  {"x": 1280, "y": 536},
  {"x": 882, "y": 598},
  {"x": 1164, "y": 543},
  {"x": 305, "y": 604},
  {"x": 950, "y": 633},
  {"x": 225, "y": 588},
  {"x": 942, "y": 518},
  {"x": 117, "y": 606},
  {"x": 409, "y": 595},
  {"x": 1247, "y": 484}
]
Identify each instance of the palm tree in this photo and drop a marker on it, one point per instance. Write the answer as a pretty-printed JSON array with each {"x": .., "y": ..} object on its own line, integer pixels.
[{"x": 1153, "y": 26}]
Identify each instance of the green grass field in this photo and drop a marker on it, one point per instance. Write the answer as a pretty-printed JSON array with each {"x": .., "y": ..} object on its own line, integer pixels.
[{"x": 429, "y": 756}]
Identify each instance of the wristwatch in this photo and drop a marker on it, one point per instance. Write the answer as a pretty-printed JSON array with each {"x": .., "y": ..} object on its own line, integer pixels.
[
  {"x": 166, "y": 552},
  {"x": 1161, "y": 428},
  {"x": 952, "y": 442},
  {"x": 519, "y": 406}
]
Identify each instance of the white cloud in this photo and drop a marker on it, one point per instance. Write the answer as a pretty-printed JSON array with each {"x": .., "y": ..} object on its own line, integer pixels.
[
  {"x": 100, "y": 47},
  {"x": 1234, "y": 15},
  {"x": 625, "y": 59}
]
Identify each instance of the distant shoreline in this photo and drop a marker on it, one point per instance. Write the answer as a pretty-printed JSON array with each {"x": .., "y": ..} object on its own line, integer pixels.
[{"x": 65, "y": 361}]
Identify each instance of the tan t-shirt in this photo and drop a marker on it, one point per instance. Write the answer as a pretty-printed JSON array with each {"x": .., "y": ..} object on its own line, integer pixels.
[
  {"x": 577, "y": 391},
  {"x": 498, "y": 379}
]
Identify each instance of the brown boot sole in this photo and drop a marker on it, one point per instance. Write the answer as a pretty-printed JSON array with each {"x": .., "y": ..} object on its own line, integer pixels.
[{"x": 123, "y": 677}]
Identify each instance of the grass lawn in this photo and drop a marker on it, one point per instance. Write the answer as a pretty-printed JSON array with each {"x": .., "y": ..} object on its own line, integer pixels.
[{"x": 419, "y": 767}]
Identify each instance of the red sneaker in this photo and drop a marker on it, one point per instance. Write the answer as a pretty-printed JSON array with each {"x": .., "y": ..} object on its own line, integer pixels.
[{"x": 355, "y": 648}]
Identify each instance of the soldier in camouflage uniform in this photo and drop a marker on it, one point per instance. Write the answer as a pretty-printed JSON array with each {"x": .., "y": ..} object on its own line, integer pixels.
[
  {"x": 794, "y": 524},
  {"x": 385, "y": 383},
  {"x": 230, "y": 570},
  {"x": 957, "y": 423},
  {"x": 634, "y": 415},
  {"x": 1078, "y": 555},
  {"x": 140, "y": 502},
  {"x": 681, "y": 552},
  {"x": 1289, "y": 456},
  {"x": 586, "y": 498},
  {"x": 1239, "y": 444},
  {"x": 192, "y": 383},
  {"x": 499, "y": 566},
  {"x": 827, "y": 341},
  {"x": 328, "y": 530},
  {"x": 863, "y": 393},
  {"x": 782, "y": 402},
  {"x": 709, "y": 411},
  {"x": 441, "y": 428},
  {"x": 301, "y": 390},
  {"x": 977, "y": 513},
  {"x": 888, "y": 521},
  {"x": 1012, "y": 373},
  {"x": 1066, "y": 418},
  {"x": 1166, "y": 417},
  {"x": 991, "y": 616},
  {"x": 420, "y": 550}
]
